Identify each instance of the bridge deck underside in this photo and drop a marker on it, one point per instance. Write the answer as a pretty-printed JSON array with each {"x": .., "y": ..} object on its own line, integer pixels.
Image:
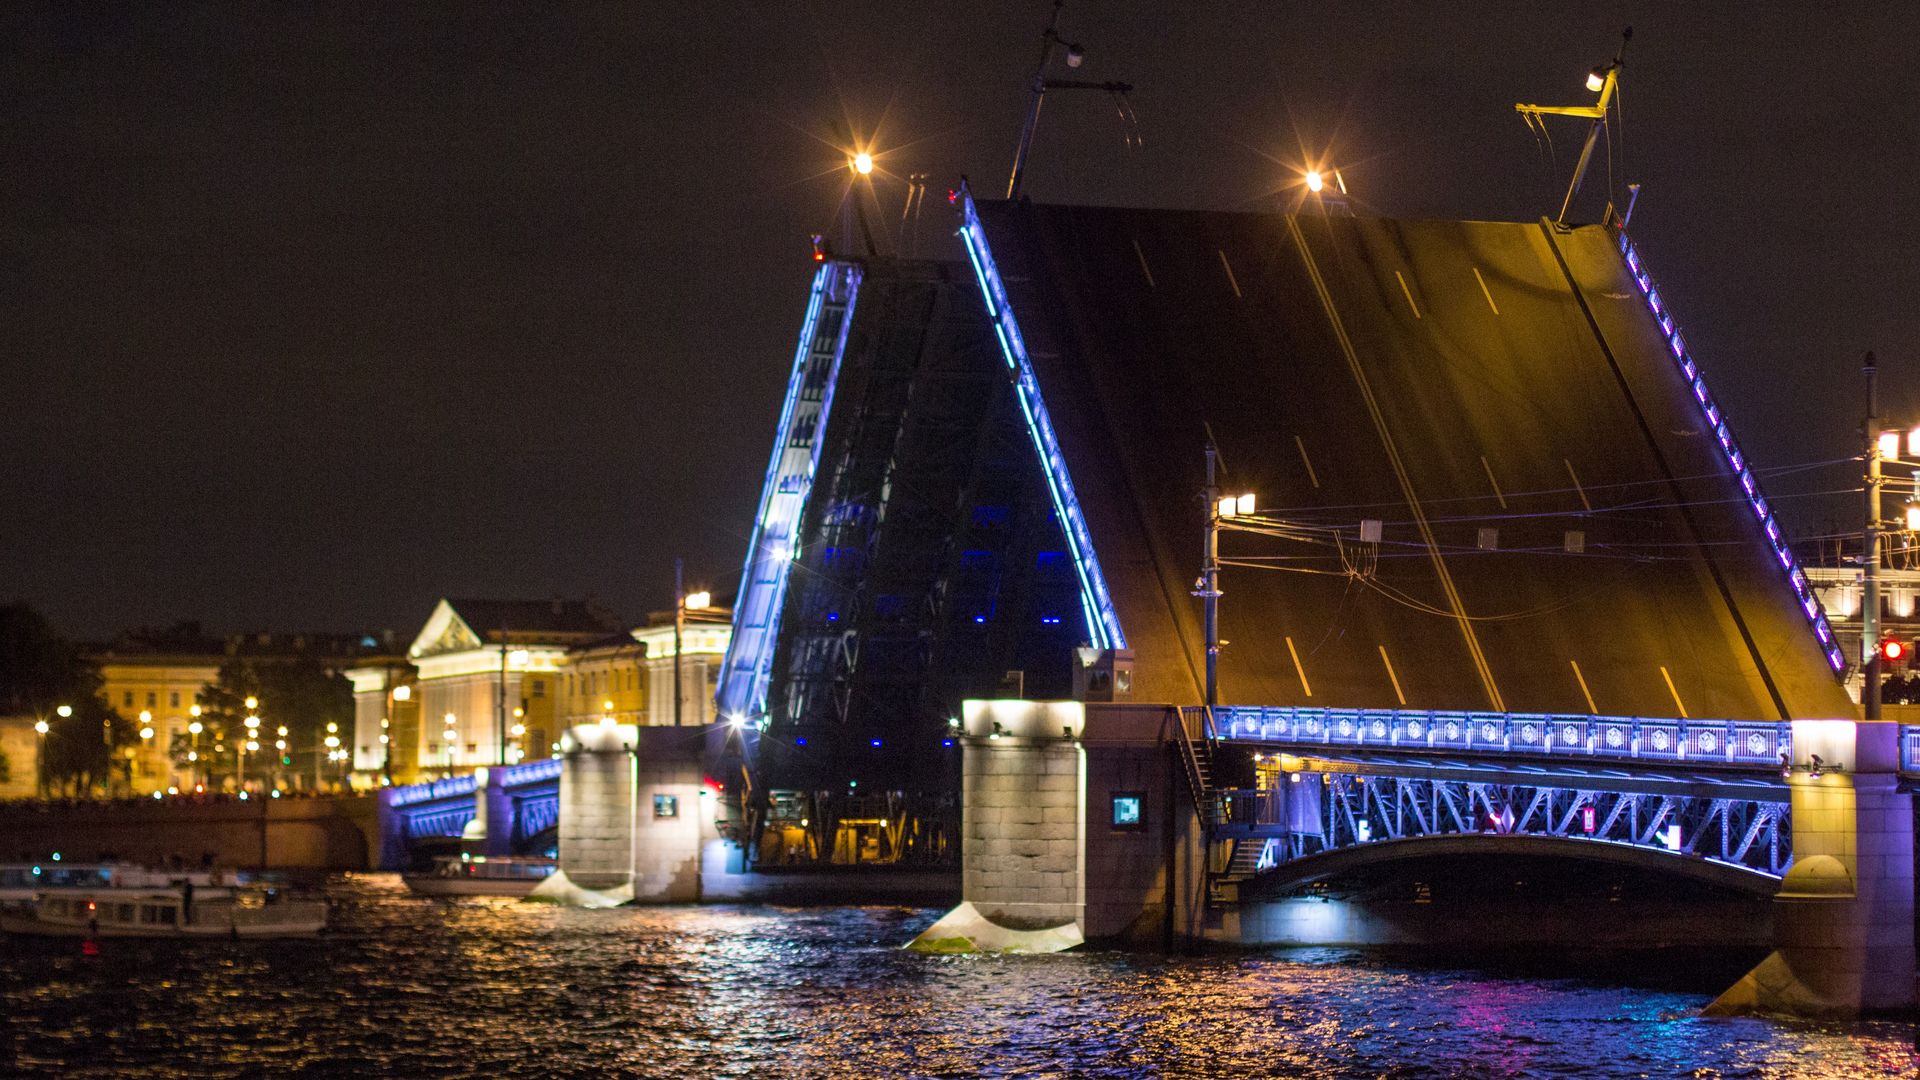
[{"x": 1444, "y": 379}]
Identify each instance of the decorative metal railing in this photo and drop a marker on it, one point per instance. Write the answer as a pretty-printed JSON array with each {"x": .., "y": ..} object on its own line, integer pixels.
[
  {"x": 1694, "y": 742},
  {"x": 410, "y": 794}
]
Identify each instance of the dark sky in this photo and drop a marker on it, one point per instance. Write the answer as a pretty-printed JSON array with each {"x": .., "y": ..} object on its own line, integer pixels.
[{"x": 313, "y": 313}]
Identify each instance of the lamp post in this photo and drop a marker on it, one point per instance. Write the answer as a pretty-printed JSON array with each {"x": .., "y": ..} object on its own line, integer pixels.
[
  {"x": 40, "y": 728},
  {"x": 146, "y": 744},
  {"x": 194, "y": 728}
]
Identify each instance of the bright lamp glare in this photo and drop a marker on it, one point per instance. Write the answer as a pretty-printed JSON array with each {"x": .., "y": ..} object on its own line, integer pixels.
[
  {"x": 863, "y": 163},
  {"x": 1913, "y": 517},
  {"x": 1315, "y": 182},
  {"x": 1228, "y": 506},
  {"x": 701, "y": 599},
  {"x": 1596, "y": 79},
  {"x": 1890, "y": 445},
  {"x": 1246, "y": 504}
]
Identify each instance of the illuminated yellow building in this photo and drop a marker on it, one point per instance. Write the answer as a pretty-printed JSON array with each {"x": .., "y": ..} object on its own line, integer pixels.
[
  {"x": 630, "y": 676},
  {"x": 486, "y": 665},
  {"x": 152, "y": 679}
]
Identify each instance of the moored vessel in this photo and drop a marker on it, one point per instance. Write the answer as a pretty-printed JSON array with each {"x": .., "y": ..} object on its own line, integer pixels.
[
  {"x": 481, "y": 875},
  {"x": 172, "y": 912}
]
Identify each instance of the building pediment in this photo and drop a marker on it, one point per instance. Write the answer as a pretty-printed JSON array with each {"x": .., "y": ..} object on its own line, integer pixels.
[{"x": 445, "y": 632}]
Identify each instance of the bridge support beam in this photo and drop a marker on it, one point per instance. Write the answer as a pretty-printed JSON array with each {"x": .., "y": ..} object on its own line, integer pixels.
[{"x": 1843, "y": 926}]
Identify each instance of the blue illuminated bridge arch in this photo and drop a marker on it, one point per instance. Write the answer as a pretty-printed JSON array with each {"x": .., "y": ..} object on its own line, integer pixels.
[
  {"x": 1694, "y": 798},
  {"x": 441, "y": 809}
]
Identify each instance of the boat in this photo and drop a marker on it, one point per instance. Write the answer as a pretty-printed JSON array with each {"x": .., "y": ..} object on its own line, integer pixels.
[
  {"x": 481, "y": 875},
  {"x": 24, "y": 881},
  {"x": 171, "y": 912}
]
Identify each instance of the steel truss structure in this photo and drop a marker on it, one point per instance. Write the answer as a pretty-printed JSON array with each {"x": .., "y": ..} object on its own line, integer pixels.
[
  {"x": 1752, "y": 833},
  {"x": 927, "y": 562}
]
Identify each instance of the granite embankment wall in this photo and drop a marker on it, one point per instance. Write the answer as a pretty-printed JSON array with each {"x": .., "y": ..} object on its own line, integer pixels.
[{"x": 334, "y": 833}]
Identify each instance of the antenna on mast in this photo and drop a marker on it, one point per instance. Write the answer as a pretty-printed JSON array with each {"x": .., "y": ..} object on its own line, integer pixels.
[
  {"x": 1049, "y": 38},
  {"x": 1603, "y": 79}
]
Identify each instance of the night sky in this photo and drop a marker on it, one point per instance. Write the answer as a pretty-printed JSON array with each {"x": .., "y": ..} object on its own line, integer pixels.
[{"x": 314, "y": 313}]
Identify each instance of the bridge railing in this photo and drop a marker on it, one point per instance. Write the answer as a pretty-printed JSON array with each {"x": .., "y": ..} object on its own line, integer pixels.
[
  {"x": 1249, "y": 806},
  {"x": 1694, "y": 742},
  {"x": 409, "y": 794}
]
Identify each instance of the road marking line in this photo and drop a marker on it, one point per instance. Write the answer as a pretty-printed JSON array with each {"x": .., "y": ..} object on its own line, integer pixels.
[
  {"x": 1385, "y": 433},
  {"x": 1224, "y": 265},
  {"x": 1308, "y": 462},
  {"x": 1142, "y": 256},
  {"x": 1298, "y": 667},
  {"x": 1408, "y": 292},
  {"x": 1496, "y": 484},
  {"x": 1577, "y": 489},
  {"x": 1592, "y": 709},
  {"x": 1484, "y": 291},
  {"x": 1390, "y": 675},
  {"x": 1677, "y": 703}
]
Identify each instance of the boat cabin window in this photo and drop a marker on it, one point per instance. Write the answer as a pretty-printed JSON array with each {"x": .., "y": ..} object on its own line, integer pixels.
[{"x": 123, "y": 912}]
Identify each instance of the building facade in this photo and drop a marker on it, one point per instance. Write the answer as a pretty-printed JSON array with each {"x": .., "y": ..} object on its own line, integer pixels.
[{"x": 491, "y": 681}]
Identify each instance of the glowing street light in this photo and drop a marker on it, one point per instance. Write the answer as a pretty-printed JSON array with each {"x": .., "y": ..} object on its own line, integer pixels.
[
  {"x": 1315, "y": 182},
  {"x": 64, "y": 711},
  {"x": 863, "y": 163},
  {"x": 41, "y": 726},
  {"x": 196, "y": 728},
  {"x": 698, "y": 600},
  {"x": 252, "y": 703}
]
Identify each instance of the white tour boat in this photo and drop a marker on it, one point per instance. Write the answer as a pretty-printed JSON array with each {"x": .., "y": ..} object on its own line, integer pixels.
[
  {"x": 166, "y": 913},
  {"x": 24, "y": 881},
  {"x": 481, "y": 875}
]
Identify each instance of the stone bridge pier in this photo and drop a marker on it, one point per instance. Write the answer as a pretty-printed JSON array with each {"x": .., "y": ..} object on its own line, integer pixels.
[{"x": 1843, "y": 922}]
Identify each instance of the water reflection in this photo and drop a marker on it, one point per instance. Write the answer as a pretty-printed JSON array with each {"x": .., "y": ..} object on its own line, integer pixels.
[{"x": 492, "y": 988}]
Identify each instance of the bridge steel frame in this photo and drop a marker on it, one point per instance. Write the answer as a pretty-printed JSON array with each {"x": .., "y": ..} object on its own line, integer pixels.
[{"x": 1751, "y": 833}]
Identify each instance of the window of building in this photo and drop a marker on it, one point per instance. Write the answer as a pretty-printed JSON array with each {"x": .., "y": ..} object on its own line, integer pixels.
[
  {"x": 1128, "y": 809},
  {"x": 126, "y": 700},
  {"x": 473, "y": 748},
  {"x": 153, "y": 699},
  {"x": 539, "y": 688},
  {"x": 666, "y": 806},
  {"x": 173, "y": 699}
]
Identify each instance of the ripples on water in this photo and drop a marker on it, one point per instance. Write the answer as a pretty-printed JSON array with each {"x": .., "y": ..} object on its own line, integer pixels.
[{"x": 488, "y": 988}]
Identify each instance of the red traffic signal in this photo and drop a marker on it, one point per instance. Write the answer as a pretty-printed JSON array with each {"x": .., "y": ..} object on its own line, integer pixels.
[{"x": 1892, "y": 650}]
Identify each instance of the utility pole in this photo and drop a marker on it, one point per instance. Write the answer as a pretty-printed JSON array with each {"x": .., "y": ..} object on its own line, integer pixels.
[
  {"x": 1209, "y": 590},
  {"x": 1604, "y": 80},
  {"x": 500, "y": 710},
  {"x": 1870, "y": 551},
  {"x": 679, "y": 625},
  {"x": 1049, "y": 38}
]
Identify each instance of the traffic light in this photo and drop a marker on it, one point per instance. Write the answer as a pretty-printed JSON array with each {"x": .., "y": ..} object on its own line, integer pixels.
[{"x": 1892, "y": 650}]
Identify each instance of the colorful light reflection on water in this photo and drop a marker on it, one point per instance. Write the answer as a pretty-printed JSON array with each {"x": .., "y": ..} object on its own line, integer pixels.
[{"x": 494, "y": 988}]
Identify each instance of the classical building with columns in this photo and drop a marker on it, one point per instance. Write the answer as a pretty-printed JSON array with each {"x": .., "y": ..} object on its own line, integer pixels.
[{"x": 542, "y": 666}]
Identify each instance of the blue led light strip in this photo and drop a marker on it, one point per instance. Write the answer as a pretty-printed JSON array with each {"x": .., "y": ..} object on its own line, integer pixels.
[
  {"x": 1096, "y": 603},
  {"x": 783, "y": 496},
  {"x": 1742, "y": 468}
]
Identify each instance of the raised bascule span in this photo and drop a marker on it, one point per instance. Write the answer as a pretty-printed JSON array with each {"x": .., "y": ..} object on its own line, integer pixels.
[{"x": 1506, "y": 577}]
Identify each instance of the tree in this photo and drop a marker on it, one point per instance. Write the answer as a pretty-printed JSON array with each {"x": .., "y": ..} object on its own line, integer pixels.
[
  {"x": 40, "y": 671},
  {"x": 300, "y": 694}
]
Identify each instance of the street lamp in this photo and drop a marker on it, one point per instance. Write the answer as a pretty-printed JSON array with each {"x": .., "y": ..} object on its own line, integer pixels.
[
  {"x": 146, "y": 741},
  {"x": 41, "y": 727}
]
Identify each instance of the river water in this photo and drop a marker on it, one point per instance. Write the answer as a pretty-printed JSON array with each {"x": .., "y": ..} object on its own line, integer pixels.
[{"x": 494, "y": 988}]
